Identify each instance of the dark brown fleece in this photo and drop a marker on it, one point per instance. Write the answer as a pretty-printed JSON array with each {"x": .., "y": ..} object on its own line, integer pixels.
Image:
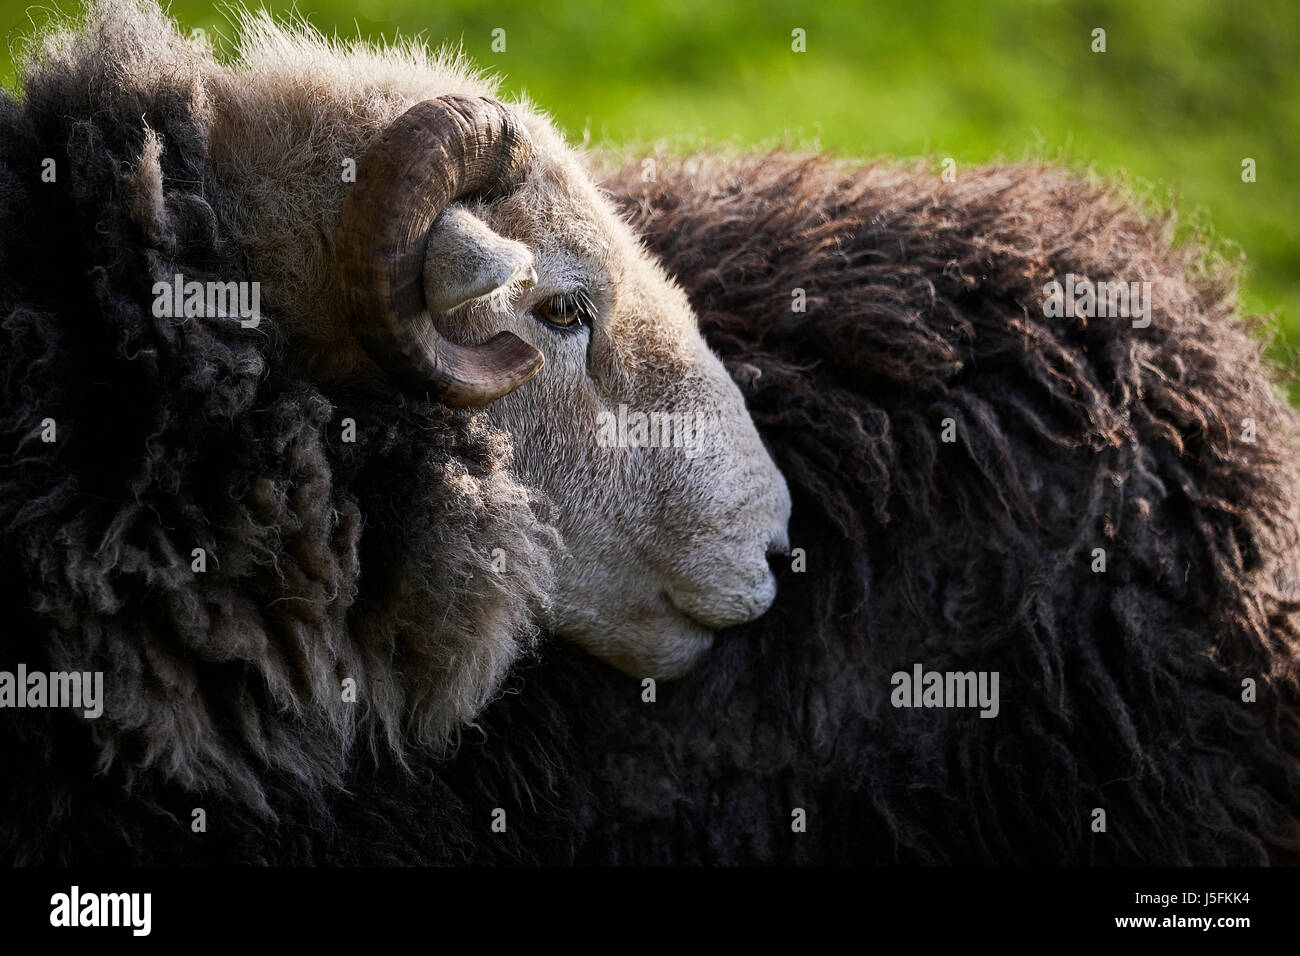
[{"x": 1120, "y": 690}]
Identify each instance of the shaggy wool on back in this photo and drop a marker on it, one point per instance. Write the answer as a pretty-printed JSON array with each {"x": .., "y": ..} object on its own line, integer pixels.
[{"x": 1121, "y": 690}]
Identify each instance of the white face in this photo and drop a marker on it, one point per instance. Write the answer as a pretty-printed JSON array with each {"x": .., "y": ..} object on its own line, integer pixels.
[{"x": 669, "y": 506}]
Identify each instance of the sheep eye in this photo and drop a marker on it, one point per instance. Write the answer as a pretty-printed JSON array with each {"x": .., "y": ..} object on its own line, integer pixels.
[{"x": 570, "y": 310}]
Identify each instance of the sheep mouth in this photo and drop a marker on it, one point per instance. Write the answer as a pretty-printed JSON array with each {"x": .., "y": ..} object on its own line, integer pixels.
[
  {"x": 676, "y": 610},
  {"x": 727, "y": 610}
]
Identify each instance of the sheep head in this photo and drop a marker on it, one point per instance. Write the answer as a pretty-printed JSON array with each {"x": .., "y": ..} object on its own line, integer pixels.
[
  {"x": 473, "y": 254},
  {"x": 667, "y": 542}
]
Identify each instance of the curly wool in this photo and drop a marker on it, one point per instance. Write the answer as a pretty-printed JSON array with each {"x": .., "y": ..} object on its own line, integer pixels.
[
  {"x": 1120, "y": 690},
  {"x": 326, "y": 560}
]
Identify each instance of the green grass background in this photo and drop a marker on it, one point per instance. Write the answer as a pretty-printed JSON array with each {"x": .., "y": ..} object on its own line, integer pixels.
[{"x": 1185, "y": 90}]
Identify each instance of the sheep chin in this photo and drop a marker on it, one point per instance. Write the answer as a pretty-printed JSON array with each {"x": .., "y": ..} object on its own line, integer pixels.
[{"x": 673, "y": 648}]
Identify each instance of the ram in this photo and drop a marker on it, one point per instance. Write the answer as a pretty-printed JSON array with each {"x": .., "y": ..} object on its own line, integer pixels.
[
  {"x": 304, "y": 569},
  {"x": 288, "y": 537}
]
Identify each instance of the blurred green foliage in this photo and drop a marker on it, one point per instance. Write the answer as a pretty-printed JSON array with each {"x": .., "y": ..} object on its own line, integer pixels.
[{"x": 1184, "y": 92}]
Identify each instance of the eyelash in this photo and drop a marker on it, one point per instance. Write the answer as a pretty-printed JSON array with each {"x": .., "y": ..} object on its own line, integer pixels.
[{"x": 578, "y": 304}]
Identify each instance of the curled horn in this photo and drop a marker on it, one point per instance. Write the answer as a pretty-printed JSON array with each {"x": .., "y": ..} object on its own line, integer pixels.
[{"x": 436, "y": 152}]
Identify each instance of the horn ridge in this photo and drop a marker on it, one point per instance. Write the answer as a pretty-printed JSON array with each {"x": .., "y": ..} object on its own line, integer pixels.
[{"x": 435, "y": 153}]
